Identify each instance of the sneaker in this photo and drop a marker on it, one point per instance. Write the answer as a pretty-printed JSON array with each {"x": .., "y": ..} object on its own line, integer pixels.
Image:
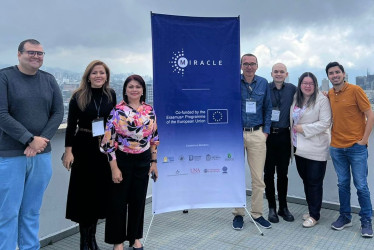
[
  {"x": 341, "y": 223},
  {"x": 366, "y": 229},
  {"x": 262, "y": 222},
  {"x": 238, "y": 222}
]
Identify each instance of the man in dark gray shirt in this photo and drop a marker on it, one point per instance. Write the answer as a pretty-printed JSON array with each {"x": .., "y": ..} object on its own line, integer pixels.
[
  {"x": 278, "y": 144},
  {"x": 31, "y": 111}
]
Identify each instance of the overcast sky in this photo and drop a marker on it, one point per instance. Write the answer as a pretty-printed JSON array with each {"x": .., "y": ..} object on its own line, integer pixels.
[{"x": 303, "y": 34}]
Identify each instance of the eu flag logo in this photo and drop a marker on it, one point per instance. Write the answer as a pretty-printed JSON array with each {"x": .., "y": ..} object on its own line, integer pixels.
[{"x": 218, "y": 116}]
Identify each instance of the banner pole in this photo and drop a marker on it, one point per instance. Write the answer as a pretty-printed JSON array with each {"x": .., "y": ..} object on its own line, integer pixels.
[
  {"x": 250, "y": 216},
  {"x": 150, "y": 224}
]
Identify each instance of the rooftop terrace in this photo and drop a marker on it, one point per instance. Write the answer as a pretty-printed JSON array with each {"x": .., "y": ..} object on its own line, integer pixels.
[{"x": 212, "y": 229}]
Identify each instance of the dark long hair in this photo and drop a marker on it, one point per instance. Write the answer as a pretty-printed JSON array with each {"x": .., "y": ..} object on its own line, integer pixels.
[
  {"x": 300, "y": 95},
  {"x": 140, "y": 80},
  {"x": 84, "y": 93}
]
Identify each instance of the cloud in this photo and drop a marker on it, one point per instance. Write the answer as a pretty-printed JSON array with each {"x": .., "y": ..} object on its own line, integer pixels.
[
  {"x": 302, "y": 34},
  {"x": 312, "y": 47}
]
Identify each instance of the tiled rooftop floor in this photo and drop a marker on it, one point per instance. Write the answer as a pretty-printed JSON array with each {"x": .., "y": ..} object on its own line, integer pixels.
[{"x": 212, "y": 229}]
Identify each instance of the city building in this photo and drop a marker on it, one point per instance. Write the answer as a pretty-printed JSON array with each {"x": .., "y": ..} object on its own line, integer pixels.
[{"x": 325, "y": 84}]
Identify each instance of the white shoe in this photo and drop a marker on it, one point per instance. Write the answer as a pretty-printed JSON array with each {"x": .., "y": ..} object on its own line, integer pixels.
[
  {"x": 306, "y": 216},
  {"x": 310, "y": 222}
]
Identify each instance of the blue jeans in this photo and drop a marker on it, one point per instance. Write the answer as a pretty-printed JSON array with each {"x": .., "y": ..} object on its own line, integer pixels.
[
  {"x": 352, "y": 159},
  {"x": 23, "y": 181}
]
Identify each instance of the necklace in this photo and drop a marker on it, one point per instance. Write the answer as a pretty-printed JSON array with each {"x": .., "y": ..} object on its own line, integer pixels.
[{"x": 135, "y": 106}]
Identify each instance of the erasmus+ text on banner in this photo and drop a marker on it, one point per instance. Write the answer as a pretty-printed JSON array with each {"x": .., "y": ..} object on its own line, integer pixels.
[{"x": 196, "y": 81}]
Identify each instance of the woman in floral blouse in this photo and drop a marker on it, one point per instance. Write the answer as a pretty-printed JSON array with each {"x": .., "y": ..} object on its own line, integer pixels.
[{"x": 130, "y": 141}]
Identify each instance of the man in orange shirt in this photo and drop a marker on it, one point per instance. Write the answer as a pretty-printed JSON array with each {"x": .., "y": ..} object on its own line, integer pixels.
[{"x": 353, "y": 121}]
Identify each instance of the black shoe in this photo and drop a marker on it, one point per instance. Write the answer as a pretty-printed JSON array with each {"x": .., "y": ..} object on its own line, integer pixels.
[
  {"x": 285, "y": 213},
  {"x": 273, "y": 217}
]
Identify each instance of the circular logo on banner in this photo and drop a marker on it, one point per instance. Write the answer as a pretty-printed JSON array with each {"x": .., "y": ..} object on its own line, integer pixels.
[
  {"x": 178, "y": 62},
  {"x": 182, "y": 62}
]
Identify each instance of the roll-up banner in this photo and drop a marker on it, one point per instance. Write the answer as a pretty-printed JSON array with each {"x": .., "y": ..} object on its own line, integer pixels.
[{"x": 196, "y": 81}]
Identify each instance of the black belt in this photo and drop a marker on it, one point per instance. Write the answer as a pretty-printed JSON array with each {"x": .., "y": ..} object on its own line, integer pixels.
[
  {"x": 85, "y": 130},
  {"x": 251, "y": 129},
  {"x": 278, "y": 130}
]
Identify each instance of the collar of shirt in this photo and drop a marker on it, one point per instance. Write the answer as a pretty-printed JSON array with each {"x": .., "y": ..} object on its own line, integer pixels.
[
  {"x": 250, "y": 86},
  {"x": 345, "y": 86},
  {"x": 273, "y": 86},
  {"x": 244, "y": 81}
]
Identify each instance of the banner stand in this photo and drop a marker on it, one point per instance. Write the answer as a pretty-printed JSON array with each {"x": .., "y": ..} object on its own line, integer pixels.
[
  {"x": 149, "y": 227},
  {"x": 250, "y": 216}
]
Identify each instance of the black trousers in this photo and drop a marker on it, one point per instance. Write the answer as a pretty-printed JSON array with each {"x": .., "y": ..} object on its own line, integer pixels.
[
  {"x": 312, "y": 173},
  {"x": 125, "y": 214},
  {"x": 278, "y": 153}
]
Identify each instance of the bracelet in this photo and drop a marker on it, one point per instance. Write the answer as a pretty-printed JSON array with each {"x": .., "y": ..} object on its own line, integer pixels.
[{"x": 154, "y": 161}]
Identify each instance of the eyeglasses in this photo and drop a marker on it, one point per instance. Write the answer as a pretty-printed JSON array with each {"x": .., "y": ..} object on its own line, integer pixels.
[
  {"x": 249, "y": 64},
  {"x": 33, "y": 53},
  {"x": 307, "y": 84}
]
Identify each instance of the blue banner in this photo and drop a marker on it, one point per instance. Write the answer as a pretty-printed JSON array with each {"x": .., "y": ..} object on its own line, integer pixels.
[{"x": 196, "y": 81}]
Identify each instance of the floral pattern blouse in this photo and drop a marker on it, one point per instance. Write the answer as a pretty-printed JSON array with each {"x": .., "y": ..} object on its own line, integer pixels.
[{"x": 129, "y": 130}]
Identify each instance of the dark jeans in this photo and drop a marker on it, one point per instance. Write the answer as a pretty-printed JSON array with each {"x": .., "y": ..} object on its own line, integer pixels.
[
  {"x": 312, "y": 173},
  {"x": 127, "y": 199},
  {"x": 278, "y": 152}
]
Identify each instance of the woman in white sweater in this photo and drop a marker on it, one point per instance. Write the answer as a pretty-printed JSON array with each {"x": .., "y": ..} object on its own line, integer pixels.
[{"x": 310, "y": 122}]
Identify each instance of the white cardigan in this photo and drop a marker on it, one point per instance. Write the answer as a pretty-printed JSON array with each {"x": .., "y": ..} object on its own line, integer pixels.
[{"x": 314, "y": 143}]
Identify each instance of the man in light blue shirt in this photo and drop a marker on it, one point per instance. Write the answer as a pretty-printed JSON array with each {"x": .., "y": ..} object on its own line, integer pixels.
[{"x": 256, "y": 109}]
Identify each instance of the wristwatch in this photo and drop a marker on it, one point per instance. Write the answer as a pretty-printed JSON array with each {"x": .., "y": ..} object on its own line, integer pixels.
[
  {"x": 30, "y": 140},
  {"x": 154, "y": 161}
]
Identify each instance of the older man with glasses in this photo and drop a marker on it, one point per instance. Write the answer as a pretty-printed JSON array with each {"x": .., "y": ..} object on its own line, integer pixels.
[
  {"x": 256, "y": 112},
  {"x": 31, "y": 110}
]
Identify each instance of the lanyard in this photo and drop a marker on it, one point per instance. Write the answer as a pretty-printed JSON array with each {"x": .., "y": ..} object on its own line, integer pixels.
[
  {"x": 98, "y": 108},
  {"x": 277, "y": 95},
  {"x": 250, "y": 89}
]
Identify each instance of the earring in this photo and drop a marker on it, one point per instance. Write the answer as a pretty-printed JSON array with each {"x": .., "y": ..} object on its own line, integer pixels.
[{"x": 88, "y": 80}]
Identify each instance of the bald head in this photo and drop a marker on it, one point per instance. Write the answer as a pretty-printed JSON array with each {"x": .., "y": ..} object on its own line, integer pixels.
[
  {"x": 279, "y": 65},
  {"x": 279, "y": 73}
]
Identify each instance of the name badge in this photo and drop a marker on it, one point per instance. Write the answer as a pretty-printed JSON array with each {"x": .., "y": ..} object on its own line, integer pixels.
[
  {"x": 98, "y": 127},
  {"x": 275, "y": 115},
  {"x": 250, "y": 106}
]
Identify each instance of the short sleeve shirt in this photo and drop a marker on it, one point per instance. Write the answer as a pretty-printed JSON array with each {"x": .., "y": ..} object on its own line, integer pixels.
[{"x": 348, "y": 106}]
